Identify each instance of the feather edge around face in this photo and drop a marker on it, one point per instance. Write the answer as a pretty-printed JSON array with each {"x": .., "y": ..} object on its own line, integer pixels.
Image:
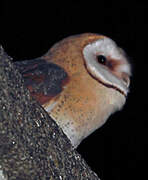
[{"x": 120, "y": 66}]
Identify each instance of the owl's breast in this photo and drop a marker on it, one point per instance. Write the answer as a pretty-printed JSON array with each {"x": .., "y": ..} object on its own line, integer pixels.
[{"x": 83, "y": 106}]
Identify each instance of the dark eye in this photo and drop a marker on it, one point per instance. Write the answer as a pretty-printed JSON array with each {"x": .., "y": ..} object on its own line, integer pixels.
[{"x": 101, "y": 59}]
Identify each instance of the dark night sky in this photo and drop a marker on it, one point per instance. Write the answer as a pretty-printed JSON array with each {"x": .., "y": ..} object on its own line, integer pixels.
[{"x": 117, "y": 150}]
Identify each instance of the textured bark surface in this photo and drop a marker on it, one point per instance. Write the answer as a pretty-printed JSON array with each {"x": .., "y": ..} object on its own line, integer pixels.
[{"x": 32, "y": 146}]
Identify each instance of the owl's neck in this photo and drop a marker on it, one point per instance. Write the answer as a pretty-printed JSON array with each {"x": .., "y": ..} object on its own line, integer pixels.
[{"x": 83, "y": 107}]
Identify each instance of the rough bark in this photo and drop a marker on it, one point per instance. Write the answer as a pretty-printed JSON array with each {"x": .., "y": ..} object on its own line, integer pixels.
[{"x": 32, "y": 146}]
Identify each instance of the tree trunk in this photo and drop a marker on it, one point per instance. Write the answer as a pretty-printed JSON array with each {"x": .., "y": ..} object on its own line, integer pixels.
[{"x": 32, "y": 146}]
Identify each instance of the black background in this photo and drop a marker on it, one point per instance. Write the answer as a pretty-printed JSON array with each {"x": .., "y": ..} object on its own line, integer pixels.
[{"x": 117, "y": 150}]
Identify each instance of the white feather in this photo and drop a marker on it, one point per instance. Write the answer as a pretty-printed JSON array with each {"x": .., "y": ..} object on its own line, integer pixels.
[
  {"x": 106, "y": 47},
  {"x": 48, "y": 108}
]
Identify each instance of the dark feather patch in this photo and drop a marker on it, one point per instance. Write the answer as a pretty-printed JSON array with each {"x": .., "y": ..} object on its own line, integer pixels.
[{"x": 43, "y": 79}]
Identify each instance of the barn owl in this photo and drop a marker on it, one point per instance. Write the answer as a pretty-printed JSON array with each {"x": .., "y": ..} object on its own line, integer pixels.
[{"x": 80, "y": 82}]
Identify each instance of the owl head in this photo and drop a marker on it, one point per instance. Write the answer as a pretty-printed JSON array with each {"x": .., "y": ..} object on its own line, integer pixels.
[{"x": 98, "y": 82}]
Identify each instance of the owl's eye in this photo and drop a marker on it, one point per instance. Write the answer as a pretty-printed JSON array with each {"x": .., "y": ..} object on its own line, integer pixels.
[{"x": 101, "y": 59}]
